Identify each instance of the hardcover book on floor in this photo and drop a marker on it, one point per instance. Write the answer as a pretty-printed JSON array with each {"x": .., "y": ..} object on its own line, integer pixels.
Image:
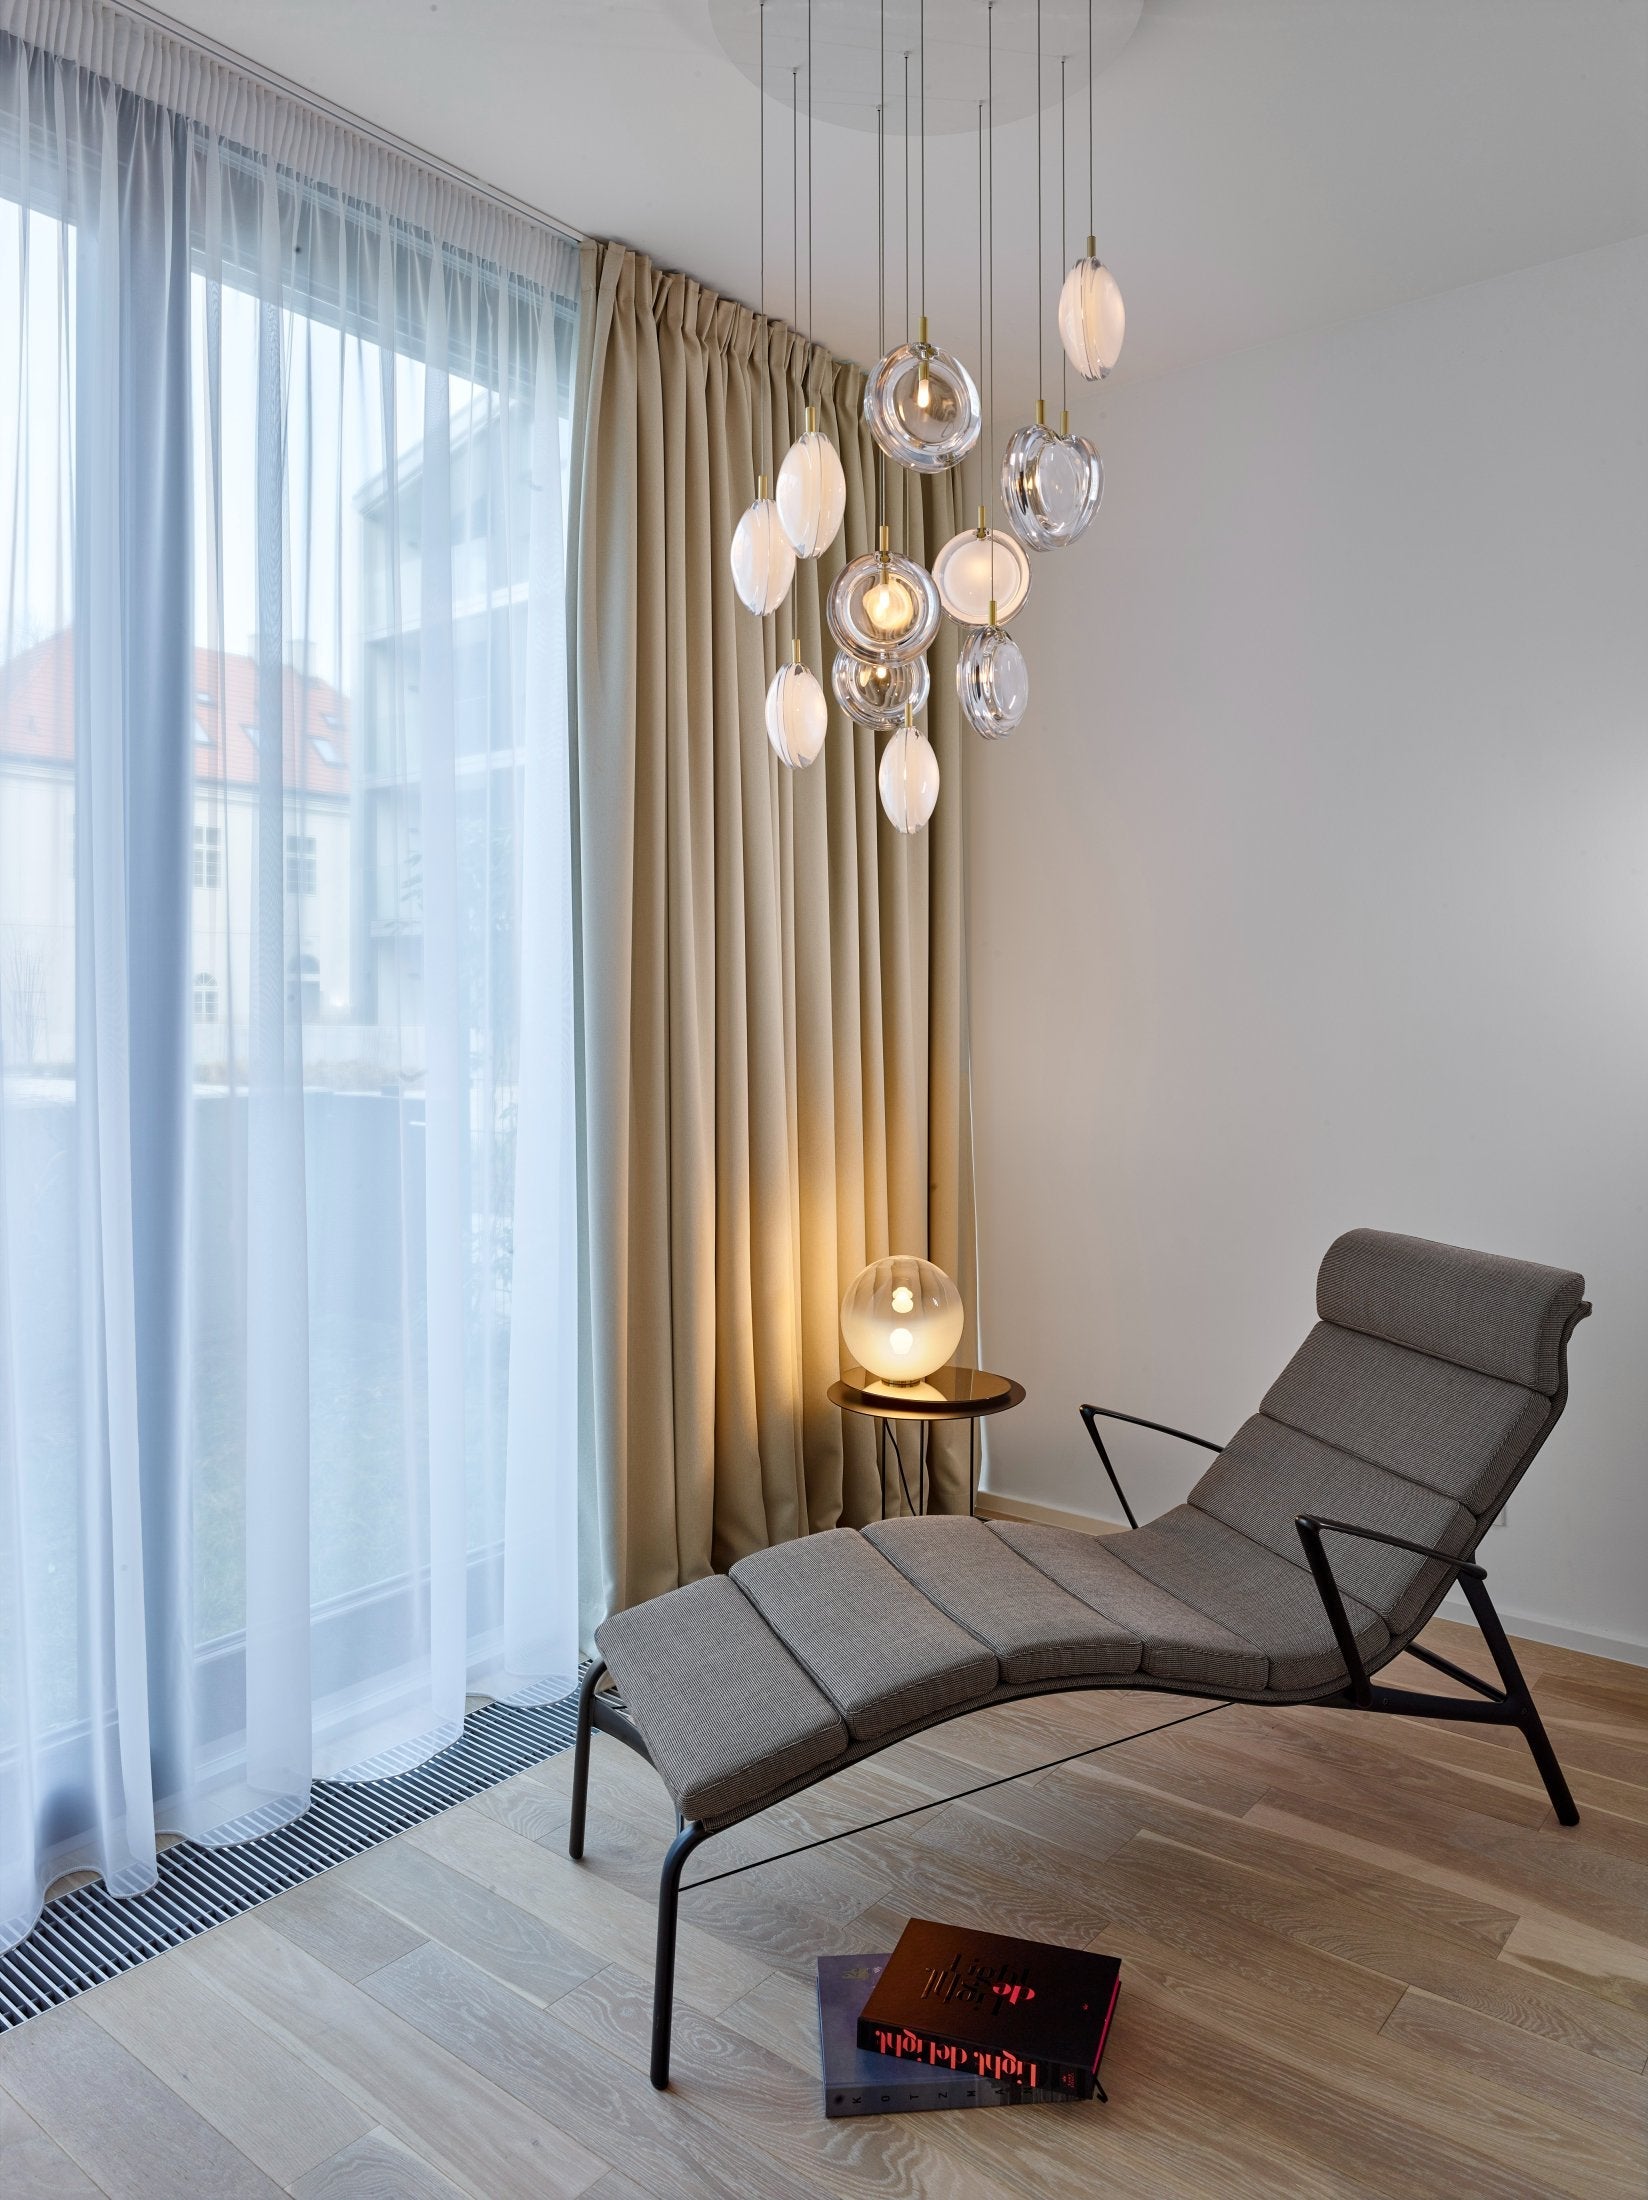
[
  {"x": 857, "y": 2083},
  {"x": 984, "y": 2005}
]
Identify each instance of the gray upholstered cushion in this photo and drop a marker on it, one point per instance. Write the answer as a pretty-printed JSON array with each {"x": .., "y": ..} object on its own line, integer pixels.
[
  {"x": 1459, "y": 1432},
  {"x": 1037, "y": 1630},
  {"x": 1266, "y": 1600},
  {"x": 726, "y": 1712},
  {"x": 1268, "y": 1474},
  {"x": 882, "y": 1654},
  {"x": 1501, "y": 1317},
  {"x": 1180, "y": 1642}
]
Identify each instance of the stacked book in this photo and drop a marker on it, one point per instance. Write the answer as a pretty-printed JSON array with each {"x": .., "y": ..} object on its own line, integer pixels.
[{"x": 955, "y": 2018}]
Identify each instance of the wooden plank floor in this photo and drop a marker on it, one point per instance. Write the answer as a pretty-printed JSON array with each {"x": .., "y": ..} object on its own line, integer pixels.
[{"x": 1359, "y": 1959}]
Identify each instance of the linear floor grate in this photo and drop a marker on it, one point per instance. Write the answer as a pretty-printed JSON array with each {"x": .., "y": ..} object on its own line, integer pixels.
[{"x": 87, "y": 1936}]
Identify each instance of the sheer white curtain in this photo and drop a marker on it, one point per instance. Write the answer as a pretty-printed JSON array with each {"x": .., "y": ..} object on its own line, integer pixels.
[{"x": 287, "y": 1298}]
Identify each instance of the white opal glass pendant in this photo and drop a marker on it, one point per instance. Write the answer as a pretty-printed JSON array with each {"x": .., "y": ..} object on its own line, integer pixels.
[
  {"x": 908, "y": 778},
  {"x": 763, "y": 563},
  {"x": 812, "y": 491},
  {"x": 1092, "y": 318},
  {"x": 797, "y": 714}
]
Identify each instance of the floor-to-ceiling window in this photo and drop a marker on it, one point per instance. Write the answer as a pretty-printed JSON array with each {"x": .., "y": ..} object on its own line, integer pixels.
[{"x": 287, "y": 1315}]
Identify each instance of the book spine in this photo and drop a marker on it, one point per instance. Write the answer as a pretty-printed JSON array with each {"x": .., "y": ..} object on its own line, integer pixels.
[{"x": 1000, "y": 2065}]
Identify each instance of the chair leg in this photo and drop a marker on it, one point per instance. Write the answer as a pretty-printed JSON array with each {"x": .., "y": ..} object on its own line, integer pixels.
[
  {"x": 580, "y": 1758},
  {"x": 663, "y": 1977},
  {"x": 1519, "y": 1701}
]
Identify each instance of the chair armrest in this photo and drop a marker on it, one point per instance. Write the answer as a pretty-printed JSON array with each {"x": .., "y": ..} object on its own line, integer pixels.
[
  {"x": 1310, "y": 1527},
  {"x": 1091, "y": 1416}
]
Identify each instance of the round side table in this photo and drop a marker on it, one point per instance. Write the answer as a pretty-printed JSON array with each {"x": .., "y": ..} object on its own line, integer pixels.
[{"x": 950, "y": 1394}]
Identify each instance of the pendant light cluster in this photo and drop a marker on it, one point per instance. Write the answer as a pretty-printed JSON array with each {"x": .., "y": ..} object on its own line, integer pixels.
[{"x": 924, "y": 413}]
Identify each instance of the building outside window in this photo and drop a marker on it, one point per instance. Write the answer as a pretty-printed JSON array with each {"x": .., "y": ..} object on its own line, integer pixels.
[{"x": 208, "y": 855}]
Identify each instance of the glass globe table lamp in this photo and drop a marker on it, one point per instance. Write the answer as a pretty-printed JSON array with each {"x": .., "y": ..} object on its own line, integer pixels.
[{"x": 901, "y": 1319}]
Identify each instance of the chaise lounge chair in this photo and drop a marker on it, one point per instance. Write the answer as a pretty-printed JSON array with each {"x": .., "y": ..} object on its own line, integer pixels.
[{"x": 1311, "y": 1553}]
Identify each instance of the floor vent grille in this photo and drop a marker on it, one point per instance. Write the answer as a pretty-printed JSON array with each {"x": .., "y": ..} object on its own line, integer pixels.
[{"x": 87, "y": 1936}]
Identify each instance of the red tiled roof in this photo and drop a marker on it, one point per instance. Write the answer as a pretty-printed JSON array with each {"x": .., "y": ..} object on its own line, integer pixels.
[{"x": 37, "y": 717}]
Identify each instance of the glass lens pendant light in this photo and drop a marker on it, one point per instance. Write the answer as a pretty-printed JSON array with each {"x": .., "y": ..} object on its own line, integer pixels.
[
  {"x": 763, "y": 564},
  {"x": 992, "y": 681},
  {"x": 797, "y": 714},
  {"x": 922, "y": 407},
  {"x": 1051, "y": 486},
  {"x": 908, "y": 777},
  {"x": 873, "y": 691},
  {"x": 884, "y": 607},
  {"x": 980, "y": 566},
  {"x": 812, "y": 491}
]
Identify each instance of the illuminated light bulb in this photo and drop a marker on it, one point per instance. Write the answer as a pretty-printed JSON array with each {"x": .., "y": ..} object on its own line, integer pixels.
[
  {"x": 924, "y": 388},
  {"x": 905, "y": 1351},
  {"x": 1092, "y": 318},
  {"x": 890, "y": 607}
]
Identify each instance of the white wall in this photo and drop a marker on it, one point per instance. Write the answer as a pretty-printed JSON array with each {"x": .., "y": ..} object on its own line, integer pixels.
[{"x": 1314, "y": 891}]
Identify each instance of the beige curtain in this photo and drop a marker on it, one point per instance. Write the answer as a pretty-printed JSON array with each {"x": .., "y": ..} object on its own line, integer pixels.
[{"x": 773, "y": 990}]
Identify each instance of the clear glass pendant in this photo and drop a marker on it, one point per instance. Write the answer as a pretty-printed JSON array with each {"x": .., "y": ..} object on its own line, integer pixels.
[
  {"x": 797, "y": 714},
  {"x": 921, "y": 406},
  {"x": 874, "y": 692},
  {"x": 908, "y": 778},
  {"x": 978, "y": 568},
  {"x": 992, "y": 682},
  {"x": 884, "y": 607},
  {"x": 1051, "y": 485},
  {"x": 812, "y": 491},
  {"x": 763, "y": 564},
  {"x": 1092, "y": 319}
]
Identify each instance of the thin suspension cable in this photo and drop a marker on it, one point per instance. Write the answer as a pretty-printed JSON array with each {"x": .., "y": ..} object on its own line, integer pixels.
[
  {"x": 1090, "y": 229},
  {"x": 810, "y": 173},
  {"x": 982, "y": 377},
  {"x": 795, "y": 200},
  {"x": 906, "y": 198},
  {"x": 1064, "y": 214},
  {"x": 922, "y": 32},
  {"x": 761, "y": 192},
  {"x": 881, "y": 256},
  {"x": 990, "y": 355},
  {"x": 1041, "y": 375},
  {"x": 938, "y": 1802}
]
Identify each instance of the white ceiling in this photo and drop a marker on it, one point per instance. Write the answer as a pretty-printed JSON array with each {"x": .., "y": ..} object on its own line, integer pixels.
[{"x": 1264, "y": 166}]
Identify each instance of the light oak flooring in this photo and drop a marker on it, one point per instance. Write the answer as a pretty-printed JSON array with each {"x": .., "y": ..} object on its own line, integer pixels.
[{"x": 1358, "y": 1958}]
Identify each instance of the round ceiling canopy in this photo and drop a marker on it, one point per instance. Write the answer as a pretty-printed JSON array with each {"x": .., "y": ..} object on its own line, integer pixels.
[{"x": 846, "y": 38}]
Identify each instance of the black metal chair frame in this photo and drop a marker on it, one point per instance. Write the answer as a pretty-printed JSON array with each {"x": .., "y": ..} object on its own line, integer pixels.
[{"x": 1510, "y": 1705}]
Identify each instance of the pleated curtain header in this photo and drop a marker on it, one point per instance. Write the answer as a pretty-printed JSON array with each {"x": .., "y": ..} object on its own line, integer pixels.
[{"x": 184, "y": 79}]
